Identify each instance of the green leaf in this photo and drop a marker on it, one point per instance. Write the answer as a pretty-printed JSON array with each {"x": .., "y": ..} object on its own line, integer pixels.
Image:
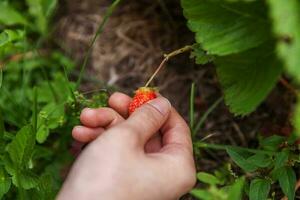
[
  {"x": 54, "y": 115},
  {"x": 272, "y": 143},
  {"x": 287, "y": 182},
  {"x": 8, "y": 165},
  {"x": 50, "y": 117},
  {"x": 202, "y": 194},
  {"x": 34, "y": 111},
  {"x": 61, "y": 90},
  {"x": 25, "y": 179},
  {"x": 42, "y": 11},
  {"x": 281, "y": 159},
  {"x": 1, "y": 77},
  {"x": 224, "y": 28},
  {"x": 259, "y": 189},
  {"x": 208, "y": 178},
  {"x": 240, "y": 158},
  {"x": 10, "y": 16},
  {"x": 5, "y": 183},
  {"x": 2, "y": 128},
  {"x": 236, "y": 190},
  {"x": 8, "y": 36},
  {"x": 42, "y": 133},
  {"x": 260, "y": 160},
  {"x": 248, "y": 77},
  {"x": 286, "y": 20},
  {"x": 45, "y": 187},
  {"x": 296, "y": 118},
  {"x": 21, "y": 148}
]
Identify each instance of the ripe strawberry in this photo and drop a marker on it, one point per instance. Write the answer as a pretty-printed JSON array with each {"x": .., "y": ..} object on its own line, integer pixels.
[{"x": 142, "y": 95}]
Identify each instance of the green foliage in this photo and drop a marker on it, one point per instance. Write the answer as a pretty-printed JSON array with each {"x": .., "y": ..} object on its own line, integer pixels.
[
  {"x": 217, "y": 190},
  {"x": 296, "y": 121},
  {"x": 5, "y": 182},
  {"x": 241, "y": 43},
  {"x": 208, "y": 178},
  {"x": 241, "y": 159},
  {"x": 235, "y": 192},
  {"x": 272, "y": 143},
  {"x": 38, "y": 104},
  {"x": 10, "y": 16},
  {"x": 245, "y": 82},
  {"x": 251, "y": 43},
  {"x": 287, "y": 181},
  {"x": 231, "y": 33},
  {"x": 270, "y": 163},
  {"x": 21, "y": 148},
  {"x": 41, "y": 10},
  {"x": 259, "y": 189},
  {"x": 286, "y": 19},
  {"x": 264, "y": 161}
]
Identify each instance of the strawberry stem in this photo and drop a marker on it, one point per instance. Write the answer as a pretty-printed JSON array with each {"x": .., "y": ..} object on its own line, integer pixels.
[{"x": 166, "y": 58}]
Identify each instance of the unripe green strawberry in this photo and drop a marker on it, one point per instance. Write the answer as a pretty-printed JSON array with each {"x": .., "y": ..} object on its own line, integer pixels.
[{"x": 142, "y": 95}]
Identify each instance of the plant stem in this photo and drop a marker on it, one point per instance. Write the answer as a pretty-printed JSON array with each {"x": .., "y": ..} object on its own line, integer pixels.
[
  {"x": 205, "y": 115},
  {"x": 167, "y": 57},
  {"x": 192, "y": 107},
  {"x": 286, "y": 84},
  {"x": 224, "y": 147}
]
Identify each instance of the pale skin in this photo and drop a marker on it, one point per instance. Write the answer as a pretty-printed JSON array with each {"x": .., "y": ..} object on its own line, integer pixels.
[{"x": 126, "y": 158}]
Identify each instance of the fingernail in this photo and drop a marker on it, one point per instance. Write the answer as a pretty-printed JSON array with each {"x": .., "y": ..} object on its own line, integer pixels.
[{"x": 161, "y": 104}]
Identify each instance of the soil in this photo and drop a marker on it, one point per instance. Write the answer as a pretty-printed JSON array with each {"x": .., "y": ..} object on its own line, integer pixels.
[{"x": 132, "y": 46}]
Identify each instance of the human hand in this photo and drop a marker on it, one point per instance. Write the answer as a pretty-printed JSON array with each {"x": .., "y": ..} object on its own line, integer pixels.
[
  {"x": 96, "y": 121},
  {"x": 116, "y": 166}
]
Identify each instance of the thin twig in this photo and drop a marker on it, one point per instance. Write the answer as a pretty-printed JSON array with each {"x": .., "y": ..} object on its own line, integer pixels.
[
  {"x": 167, "y": 57},
  {"x": 205, "y": 115},
  {"x": 240, "y": 133},
  {"x": 286, "y": 84}
]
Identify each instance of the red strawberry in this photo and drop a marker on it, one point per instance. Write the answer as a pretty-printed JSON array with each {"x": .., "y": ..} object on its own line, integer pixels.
[{"x": 142, "y": 95}]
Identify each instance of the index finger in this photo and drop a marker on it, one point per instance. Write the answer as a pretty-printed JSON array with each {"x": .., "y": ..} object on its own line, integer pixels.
[{"x": 176, "y": 133}]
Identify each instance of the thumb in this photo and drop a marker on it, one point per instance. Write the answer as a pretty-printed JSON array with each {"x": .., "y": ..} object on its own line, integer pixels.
[{"x": 149, "y": 118}]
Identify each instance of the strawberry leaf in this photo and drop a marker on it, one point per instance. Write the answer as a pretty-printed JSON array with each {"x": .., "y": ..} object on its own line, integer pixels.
[
  {"x": 224, "y": 28},
  {"x": 248, "y": 77}
]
